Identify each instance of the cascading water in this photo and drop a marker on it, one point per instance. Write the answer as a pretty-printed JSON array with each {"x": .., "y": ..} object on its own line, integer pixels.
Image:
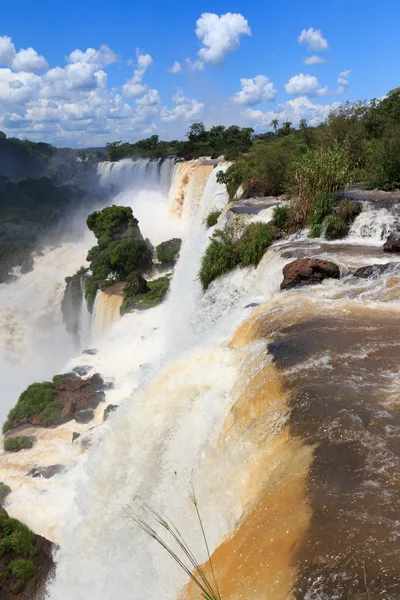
[{"x": 285, "y": 414}]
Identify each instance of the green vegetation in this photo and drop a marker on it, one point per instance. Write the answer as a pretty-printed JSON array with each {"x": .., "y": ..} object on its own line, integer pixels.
[
  {"x": 229, "y": 248},
  {"x": 220, "y": 256},
  {"x": 120, "y": 250},
  {"x": 167, "y": 251},
  {"x": 4, "y": 491},
  {"x": 152, "y": 295},
  {"x": 212, "y": 218},
  {"x": 15, "y": 444},
  {"x": 230, "y": 141},
  {"x": 15, "y": 536},
  {"x": 39, "y": 400},
  {"x": 254, "y": 241},
  {"x": 281, "y": 217},
  {"x": 24, "y": 569}
]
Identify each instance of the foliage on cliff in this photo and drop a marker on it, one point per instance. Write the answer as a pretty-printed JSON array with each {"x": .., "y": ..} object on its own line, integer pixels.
[
  {"x": 37, "y": 399},
  {"x": 167, "y": 251},
  {"x": 120, "y": 250},
  {"x": 15, "y": 444},
  {"x": 137, "y": 297},
  {"x": 23, "y": 556},
  {"x": 229, "y": 248}
]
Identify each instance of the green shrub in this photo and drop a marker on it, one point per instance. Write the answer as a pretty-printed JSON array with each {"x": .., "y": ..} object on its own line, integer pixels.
[
  {"x": 113, "y": 222},
  {"x": 129, "y": 255},
  {"x": 256, "y": 238},
  {"x": 281, "y": 217},
  {"x": 15, "y": 444},
  {"x": 24, "y": 570},
  {"x": 316, "y": 230},
  {"x": 212, "y": 218},
  {"x": 153, "y": 295},
  {"x": 37, "y": 399},
  {"x": 315, "y": 175},
  {"x": 220, "y": 257},
  {"x": 335, "y": 228},
  {"x": 15, "y": 537},
  {"x": 167, "y": 251},
  {"x": 4, "y": 491}
]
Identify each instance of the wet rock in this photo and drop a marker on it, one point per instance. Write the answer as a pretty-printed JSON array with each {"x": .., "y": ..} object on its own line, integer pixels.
[
  {"x": 27, "y": 265},
  {"x": 76, "y": 394},
  {"x": 4, "y": 491},
  {"x": 40, "y": 562},
  {"x": 308, "y": 271},
  {"x": 91, "y": 351},
  {"x": 82, "y": 370},
  {"x": 110, "y": 408},
  {"x": 252, "y": 305},
  {"x": 375, "y": 270},
  {"x": 392, "y": 244},
  {"x": 46, "y": 472},
  {"x": 84, "y": 416},
  {"x": 75, "y": 436}
]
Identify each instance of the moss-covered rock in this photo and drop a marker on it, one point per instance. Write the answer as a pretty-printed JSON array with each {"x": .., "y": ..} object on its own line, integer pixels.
[
  {"x": 25, "y": 559},
  {"x": 168, "y": 251},
  {"x": 4, "y": 491},
  {"x": 49, "y": 404},
  {"x": 154, "y": 295},
  {"x": 212, "y": 218},
  {"x": 15, "y": 444}
]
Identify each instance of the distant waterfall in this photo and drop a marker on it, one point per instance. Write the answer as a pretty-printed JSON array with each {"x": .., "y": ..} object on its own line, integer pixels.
[
  {"x": 143, "y": 172},
  {"x": 106, "y": 311}
]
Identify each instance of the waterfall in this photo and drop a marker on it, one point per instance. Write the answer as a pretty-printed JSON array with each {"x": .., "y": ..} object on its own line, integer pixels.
[
  {"x": 282, "y": 406},
  {"x": 106, "y": 311}
]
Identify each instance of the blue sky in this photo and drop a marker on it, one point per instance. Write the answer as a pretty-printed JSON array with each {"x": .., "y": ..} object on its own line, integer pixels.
[{"x": 247, "y": 64}]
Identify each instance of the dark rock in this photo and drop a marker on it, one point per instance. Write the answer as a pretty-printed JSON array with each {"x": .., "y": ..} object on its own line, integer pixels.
[
  {"x": 306, "y": 271},
  {"x": 76, "y": 394},
  {"x": 75, "y": 436},
  {"x": 27, "y": 265},
  {"x": 392, "y": 244},
  {"x": 110, "y": 408},
  {"x": 252, "y": 305},
  {"x": 84, "y": 416},
  {"x": 82, "y": 370},
  {"x": 46, "y": 472},
  {"x": 12, "y": 587},
  {"x": 91, "y": 351},
  {"x": 4, "y": 491},
  {"x": 375, "y": 270}
]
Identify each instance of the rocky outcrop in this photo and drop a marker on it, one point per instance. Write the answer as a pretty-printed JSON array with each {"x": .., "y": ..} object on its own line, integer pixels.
[
  {"x": 26, "y": 562},
  {"x": 76, "y": 394},
  {"x": 46, "y": 472},
  {"x": 255, "y": 188},
  {"x": 82, "y": 370},
  {"x": 392, "y": 244},
  {"x": 308, "y": 271},
  {"x": 110, "y": 408},
  {"x": 375, "y": 270},
  {"x": 72, "y": 301}
]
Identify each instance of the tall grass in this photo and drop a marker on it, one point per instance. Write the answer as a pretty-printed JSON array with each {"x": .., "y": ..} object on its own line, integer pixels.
[
  {"x": 325, "y": 170},
  {"x": 149, "y": 520}
]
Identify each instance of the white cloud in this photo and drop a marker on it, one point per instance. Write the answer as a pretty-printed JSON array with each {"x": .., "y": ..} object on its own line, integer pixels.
[
  {"x": 255, "y": 90},
  {"x": 7, "y": 51},
  {"x": 302, "y": 85},
  {"x": 314, "y": 60},
  {"x": 101, "y": 58},
  {"x": 176, "y": 68},
  {"x": 130, "y": 89},
  {"x": 220, "y": 35},
  {"x": 293, "y": 111},
  {"x": 314, "y": 39},
  {"x": 185, "y": 110},
  {"x": 29, "y": 61},
  {"x": 151, "y": 98},
  {"x": 196, "y": 65}
]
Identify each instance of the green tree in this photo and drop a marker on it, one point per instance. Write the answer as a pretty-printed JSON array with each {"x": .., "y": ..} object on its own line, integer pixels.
[{"x": 275, "y": 124}]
